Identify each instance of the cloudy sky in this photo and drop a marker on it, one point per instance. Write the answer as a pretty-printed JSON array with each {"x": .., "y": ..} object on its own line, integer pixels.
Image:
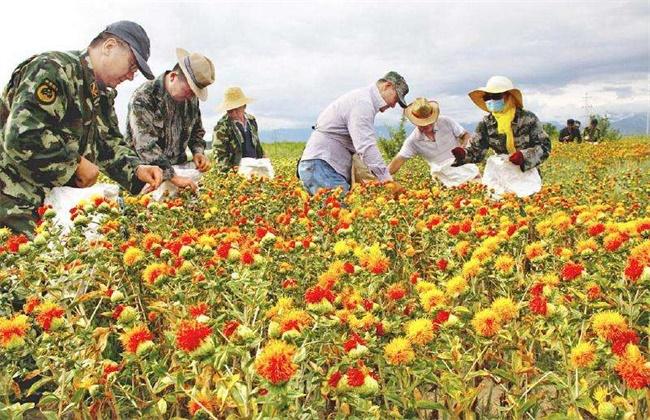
[{"x": 295, "y": 57}]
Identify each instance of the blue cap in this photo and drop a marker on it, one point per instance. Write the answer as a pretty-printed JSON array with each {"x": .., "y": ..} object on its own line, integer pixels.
[{"x": 134, "y": 35}]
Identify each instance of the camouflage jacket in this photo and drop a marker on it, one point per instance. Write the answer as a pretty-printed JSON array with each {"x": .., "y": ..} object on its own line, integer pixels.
[
  {"x": 530, "y": 139},
  {"x": 160, "y": 129},
  {"x": 227, "y": 142},
  {"x": 591, "y": 134},
  {"x": 52, "y": 112}
]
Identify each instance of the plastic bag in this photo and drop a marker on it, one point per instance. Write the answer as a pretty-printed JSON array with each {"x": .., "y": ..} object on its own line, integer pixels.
[
  {"x": 169, "y": 190},
  {"x": 63, "y": 199},
  {"x": 503, "y": 177},
  {"x": 249, "y": 167},
  {"x": 454, "y": 176}
]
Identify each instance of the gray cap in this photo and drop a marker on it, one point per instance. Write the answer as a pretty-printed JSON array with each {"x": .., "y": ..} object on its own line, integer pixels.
[
  {"x": 400, "y": 86},
  {"x": 134, "y": 35}
]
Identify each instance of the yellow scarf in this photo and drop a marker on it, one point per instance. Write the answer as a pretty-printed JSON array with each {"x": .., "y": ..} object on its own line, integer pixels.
[{"x": 504, "y": 123}]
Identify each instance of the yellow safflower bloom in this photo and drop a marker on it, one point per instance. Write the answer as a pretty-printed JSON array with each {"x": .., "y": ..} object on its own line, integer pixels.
[
  {"x": 419, "y": 331},
  {"x": 399, "y": 351},
  {"x": 471, "y": 268},
  {"x": 583, "y": 355},
  {"x": 132, "y": 255},
  {"x": 432, "y": 299},
  {"x": 505, "y": 308},
  {"x": 504, "y": 263},
  {"x": 456, "y": 286}
]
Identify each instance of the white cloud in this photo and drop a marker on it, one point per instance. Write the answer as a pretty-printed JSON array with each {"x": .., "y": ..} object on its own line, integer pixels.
[{"x": 295, "y": 57}]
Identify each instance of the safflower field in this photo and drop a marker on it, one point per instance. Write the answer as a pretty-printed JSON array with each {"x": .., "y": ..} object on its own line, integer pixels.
[{"x": 251, "y": 300}]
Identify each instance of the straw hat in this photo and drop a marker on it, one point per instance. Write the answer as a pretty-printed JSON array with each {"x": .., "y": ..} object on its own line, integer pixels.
[
  {"x": 496, "y": 84},
  {"x": 233, "y": 98},
  {"x": 422, "y": 112},
  {"x": 198, "y": 70}
]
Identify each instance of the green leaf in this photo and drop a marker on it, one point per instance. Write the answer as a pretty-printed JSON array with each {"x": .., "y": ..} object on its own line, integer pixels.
[{"x": 430, "y": 405}]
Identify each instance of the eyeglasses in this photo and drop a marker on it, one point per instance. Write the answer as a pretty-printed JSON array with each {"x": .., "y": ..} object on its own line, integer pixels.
[{"x": 492, "y": 96}]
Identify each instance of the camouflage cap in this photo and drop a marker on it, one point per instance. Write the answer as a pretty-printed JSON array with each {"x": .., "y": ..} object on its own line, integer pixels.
[
  {"x": 400, "y": 86},
  {"x": 134, "y": 35}
]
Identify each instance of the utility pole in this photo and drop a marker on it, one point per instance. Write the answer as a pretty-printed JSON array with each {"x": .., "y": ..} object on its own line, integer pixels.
[{"x": 588, "y": 109}]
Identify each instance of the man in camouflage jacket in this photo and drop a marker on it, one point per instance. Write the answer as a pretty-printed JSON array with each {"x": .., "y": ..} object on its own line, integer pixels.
[
  {"x": 164, "y": 117},
  {"x": 227, "y": 142},
  {"x": 530, "y": 139},
  {"x": 236, "y": 134},
  {"x": 57, "y": 121}
]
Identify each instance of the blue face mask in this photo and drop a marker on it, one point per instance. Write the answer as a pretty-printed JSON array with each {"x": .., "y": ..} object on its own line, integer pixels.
[{"x": 495, "y": 105}]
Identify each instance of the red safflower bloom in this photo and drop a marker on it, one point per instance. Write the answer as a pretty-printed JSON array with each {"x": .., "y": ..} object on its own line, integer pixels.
[
  {"x": 572, "y": 270},
  {"x": 317, "y": 293},
  {"x": 593, "y": 292},
  {"x": 633, "y": 269},
  {"x": 31, "y": 304},
  {"x": 14, "y": 242},
  {"x": 538, "y": 305},
  {"x": 229, "y": 328},
  {"x": 442, "y": 264},
  {"x": 198, "y": 309},
  {"x": 620, "y": 338},
  {"x": 596, "y": 229},
  {"x": 289, "y": 283},
  {"x": 396, "y": 292},
  {"x": 247, "y": 258},
  {"x": 334, "y": 379},
  {"x": 379, "y": 329},
  {"x": 537, "y": 289},
  {"x": 511, "y": 230},
  {"x": 191, "y": 334},
  {"x": 275, "y": 362},
  {"x": 348, "y": 267},
  {"x": 117, "y": 311},
  {"x": 414, "y": 277},
  {"x": 352, "y": 343},
  {"x": 453, "y": 229},
  {"x": 355, "y": 377},
  {"x": 223, "y": 250}
]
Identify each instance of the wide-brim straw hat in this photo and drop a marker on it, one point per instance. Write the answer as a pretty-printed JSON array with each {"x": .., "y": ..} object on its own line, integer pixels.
[
  {"x": 233, "y": 98},
  {"x": 496, "y": 84},
  {"x": 422, "y": 112},
  {"x": 198, "y": 70}
]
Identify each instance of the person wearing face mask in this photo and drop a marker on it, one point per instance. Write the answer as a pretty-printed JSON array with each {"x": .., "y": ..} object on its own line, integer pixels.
[
  {"x": 236, "y": 134},
  {"x": 507, "y": 128},
  {"x": 164, "y": 118},
  {"x": 345, "y": 128},
  {"x": 58, "y": 125}
]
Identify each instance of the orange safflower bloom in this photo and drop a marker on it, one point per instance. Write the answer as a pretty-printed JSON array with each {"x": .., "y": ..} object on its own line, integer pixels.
[
  {"x": 275, "y": 362},
  {"x": 583, "y": 355},
  {"x": 486, "y": 322},
  {"x": 13, "y": 330},
  {"x": 153, "y": 271},
  {"x": 135, "y": 337},
  {"x": 633, "y": 369},
  {"x": 47, "y": 313}
]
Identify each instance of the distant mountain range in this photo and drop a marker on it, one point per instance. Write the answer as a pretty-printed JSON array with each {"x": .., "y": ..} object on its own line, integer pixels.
[{"x": 627, "y": 124}]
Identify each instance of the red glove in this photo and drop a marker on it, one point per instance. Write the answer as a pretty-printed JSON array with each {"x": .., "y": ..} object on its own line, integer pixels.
[
  {"x": 517, "y": 158},
  {"x": 459, "y": 153}
]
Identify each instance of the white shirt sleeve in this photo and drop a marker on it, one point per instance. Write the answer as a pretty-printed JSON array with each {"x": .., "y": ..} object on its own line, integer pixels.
[
  {"x": 456, "y": 128},
  {"x": 408, "y": 149},
  {"x": 361, "y": 126}
]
